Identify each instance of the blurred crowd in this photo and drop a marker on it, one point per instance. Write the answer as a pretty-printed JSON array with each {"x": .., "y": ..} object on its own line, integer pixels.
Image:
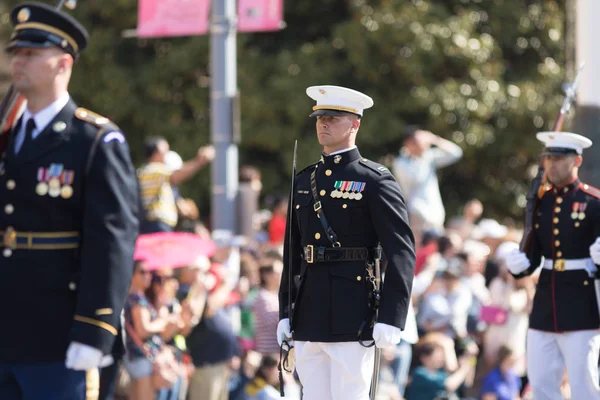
[{"x": 207, "y": 331}]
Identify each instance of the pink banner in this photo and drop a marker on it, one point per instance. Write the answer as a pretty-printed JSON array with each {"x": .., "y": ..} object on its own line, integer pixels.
[
  {"x": 159, "y": 18},
  {"x": 260, "y": 15}
]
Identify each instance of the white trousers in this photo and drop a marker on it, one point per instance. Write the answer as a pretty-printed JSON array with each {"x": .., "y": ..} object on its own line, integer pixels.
[
  {"x": 334, "y": 371},
  {"x": 547, "y": 356}
]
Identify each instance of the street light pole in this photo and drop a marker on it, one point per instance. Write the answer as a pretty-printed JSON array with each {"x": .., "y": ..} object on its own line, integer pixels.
[{"x": 222, "y": 104}]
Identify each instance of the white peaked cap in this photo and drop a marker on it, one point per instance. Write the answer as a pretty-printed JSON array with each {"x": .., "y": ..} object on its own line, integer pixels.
[
  {"x": 337, "y": 100},
  {"x": 563, "y": 142}
]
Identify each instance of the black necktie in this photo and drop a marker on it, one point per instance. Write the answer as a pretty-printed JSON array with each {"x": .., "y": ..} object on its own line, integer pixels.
[{"x": 28, "y": 134}]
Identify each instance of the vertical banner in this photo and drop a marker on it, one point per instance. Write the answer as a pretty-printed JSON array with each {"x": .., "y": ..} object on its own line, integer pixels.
[
  {"x": 260, "y": 15},
  {"x": 160, "y": 18}
]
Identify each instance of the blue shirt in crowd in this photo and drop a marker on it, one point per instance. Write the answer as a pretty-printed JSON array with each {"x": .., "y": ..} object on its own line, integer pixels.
[{"x": 505, "y": 387}]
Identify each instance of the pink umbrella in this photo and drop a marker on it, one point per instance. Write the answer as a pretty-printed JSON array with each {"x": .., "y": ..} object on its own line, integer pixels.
[{"x": 171, "y": 249}]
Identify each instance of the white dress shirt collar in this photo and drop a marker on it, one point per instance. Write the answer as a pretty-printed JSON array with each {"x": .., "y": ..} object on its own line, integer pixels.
[{"x": 43, "y": 117}]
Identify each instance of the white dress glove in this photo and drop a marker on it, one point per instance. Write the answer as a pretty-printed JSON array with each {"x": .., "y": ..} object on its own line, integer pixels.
[
  {"x": 517, "y": 262},
  {"x": 386, "y": 336},
  {"x": 82, "y": 357},
  {"x": 595, "y": 251},
  {"x": 284, "y": 331}
]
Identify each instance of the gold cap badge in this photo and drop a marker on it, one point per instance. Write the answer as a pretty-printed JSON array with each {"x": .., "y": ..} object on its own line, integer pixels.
[{"x": 23, "y": 15}]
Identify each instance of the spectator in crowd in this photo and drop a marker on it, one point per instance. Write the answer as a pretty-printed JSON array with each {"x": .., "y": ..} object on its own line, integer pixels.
[
  {"x": 265, "y": 384},
  {"x": 491, "y": 233},
  {"x": 144, "y": 341},
  {"x": 212, "y": 342},
  {"x": 248, "y": 286},
  {"x": 162, "y": 296},
  {"x": 502, "y": 383},
  {"x": 429, "y": 245},
  {"x": 511, "y": 302},
  {"x": 445, "y": 308},
  {"x": 249, "y": 188},
  {"x": 415, "y": 169},
  {"x": 465, "y": 224},
  {"x": 431, "y": 380},
  {"x": 278, "y": 222},
  {"x": 266, "y": 308},
  {"x": 156, "y": 180}
]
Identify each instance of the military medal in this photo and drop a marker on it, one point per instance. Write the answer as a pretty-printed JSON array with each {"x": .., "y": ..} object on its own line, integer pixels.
[
  {"x": 67, "y": 190},
  {"x": 351, "y": 189},
  {"x": 55, "y": 171},
  {"x": 42, "y": 187},
  {"x": 582, "y": 208},
  {"x": 335, "y": 193},
  {"x": 574, "y": 214},
  {"x": 360, "y": 188}
]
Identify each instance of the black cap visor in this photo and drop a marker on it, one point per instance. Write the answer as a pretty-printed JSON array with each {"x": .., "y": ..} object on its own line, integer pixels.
[
  {"x": 559, "y": 151},
  {"x": 33, "y": 38},
  {"x": 331, "y": 113}
]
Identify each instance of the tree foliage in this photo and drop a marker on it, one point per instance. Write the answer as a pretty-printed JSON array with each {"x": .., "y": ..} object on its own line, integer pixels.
[{"x": 486, "y": 74}]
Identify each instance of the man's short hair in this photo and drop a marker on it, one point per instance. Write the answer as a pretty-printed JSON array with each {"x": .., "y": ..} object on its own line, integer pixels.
[
  {"x": 409, "y": 132},
  {"x": 151, "y": 145}
]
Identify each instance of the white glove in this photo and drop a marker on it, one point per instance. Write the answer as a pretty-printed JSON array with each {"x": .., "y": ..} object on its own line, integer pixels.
[
  {"x": 516, "y": 261},
  {"x": 106, "y": 361},
  {"x": 82, "y": 357},
  {"x": 284, "y": 331},
  {"x": 386, "y": 336},
  {"x": 595, "y": 251}
]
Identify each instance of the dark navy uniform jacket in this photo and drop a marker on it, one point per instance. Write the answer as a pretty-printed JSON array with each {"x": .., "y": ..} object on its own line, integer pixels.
[
  {"x": 566, "y": 225},
  {"x": 68, "y": 222},
  {"x": 331, "y": 298}
]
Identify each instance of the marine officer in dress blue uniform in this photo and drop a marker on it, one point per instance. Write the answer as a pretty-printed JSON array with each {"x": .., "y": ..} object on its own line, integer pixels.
[
  {"x": 68, "y": 221},
  {"x": 564, "y": 318},
  {"x": 345, "y": 209}
]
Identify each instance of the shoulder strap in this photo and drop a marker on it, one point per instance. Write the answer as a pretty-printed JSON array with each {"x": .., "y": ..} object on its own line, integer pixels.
[
  {"x": 319, "y": 210},
  {"x": 99, "y": 121},
  {"x": 88, "y": 164}
]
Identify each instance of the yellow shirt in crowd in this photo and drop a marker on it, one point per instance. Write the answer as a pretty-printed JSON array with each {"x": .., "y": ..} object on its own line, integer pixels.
[{"x": 157, "y": 194}]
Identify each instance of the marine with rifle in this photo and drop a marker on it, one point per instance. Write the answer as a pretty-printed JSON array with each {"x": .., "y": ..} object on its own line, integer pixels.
[
  {"x": 346, "y": 214},
  {"x": 563, "y": 237}
]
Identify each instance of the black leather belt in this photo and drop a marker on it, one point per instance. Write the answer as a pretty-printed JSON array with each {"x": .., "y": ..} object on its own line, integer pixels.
[{"x": 322, "y": 254}]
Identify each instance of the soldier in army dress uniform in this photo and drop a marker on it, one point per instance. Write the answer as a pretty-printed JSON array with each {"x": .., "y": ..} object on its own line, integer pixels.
[
  {"x": 68, "y": 221},
  {"x": 564, "y": 317},
  {"x": 361, "y": 206}
]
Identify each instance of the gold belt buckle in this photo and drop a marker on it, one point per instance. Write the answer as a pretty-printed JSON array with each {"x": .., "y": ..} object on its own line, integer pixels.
[
  {"x": 9, "y": 239},
  {"x": 559, "y": 265},
  {"x": 309, "y": 253}
]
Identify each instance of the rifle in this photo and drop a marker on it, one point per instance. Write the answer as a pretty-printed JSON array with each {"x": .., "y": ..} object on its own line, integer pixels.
[
  {"x": 538, "y": 184},
  {"x": 13, "y": 104}
]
